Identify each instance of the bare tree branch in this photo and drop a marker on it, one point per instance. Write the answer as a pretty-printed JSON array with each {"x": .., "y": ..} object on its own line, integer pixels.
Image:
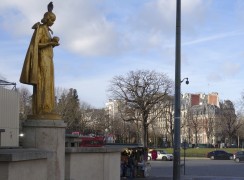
[{"x": 143, "y": 94}]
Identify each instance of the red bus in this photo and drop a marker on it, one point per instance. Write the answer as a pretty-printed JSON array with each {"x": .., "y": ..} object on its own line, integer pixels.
[{"x": 89, "y": 141}]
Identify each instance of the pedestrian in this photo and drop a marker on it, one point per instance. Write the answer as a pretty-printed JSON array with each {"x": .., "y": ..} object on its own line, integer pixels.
[
  {"x": 154, "y": 154},
  {"x": 131, "y": 166}
]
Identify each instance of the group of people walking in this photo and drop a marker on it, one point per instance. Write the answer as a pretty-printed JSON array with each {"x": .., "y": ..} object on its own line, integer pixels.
[{"x": 132, "y": 163}]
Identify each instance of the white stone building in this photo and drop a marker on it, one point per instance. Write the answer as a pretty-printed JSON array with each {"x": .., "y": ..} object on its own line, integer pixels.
[
  {"x": 9, "y": 117},
  {"x": 207, "y": 107}
]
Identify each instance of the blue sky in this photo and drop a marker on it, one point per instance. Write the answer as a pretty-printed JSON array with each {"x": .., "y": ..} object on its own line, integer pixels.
[{"x": 104, "y": 38}]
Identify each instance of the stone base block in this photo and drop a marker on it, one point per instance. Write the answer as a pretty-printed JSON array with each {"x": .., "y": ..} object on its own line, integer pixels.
[{"x": 47, "y": 135}]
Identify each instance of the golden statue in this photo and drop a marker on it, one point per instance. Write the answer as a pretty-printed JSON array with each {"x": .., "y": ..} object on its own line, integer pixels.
[{"x": 38, "y": 68}]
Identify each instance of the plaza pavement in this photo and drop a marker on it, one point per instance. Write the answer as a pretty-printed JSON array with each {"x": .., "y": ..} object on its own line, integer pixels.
[{"x": 189, "y": 178}]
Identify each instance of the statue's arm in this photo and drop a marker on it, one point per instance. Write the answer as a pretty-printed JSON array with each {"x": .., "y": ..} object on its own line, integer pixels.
[
  {"x": 43, "y": 35},
  {"x": 51, "y": 43}
]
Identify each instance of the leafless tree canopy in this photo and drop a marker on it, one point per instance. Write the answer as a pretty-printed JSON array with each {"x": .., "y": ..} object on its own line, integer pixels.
[
  {"x": 24, "y": 104},
  {"x": 79, "y": 115},
  {"x": 195, "y": 121},
  {"x": 168, "y": 114},
  {"x": 142, "y": 92},
  {"x": 141, "y": 88},
  {"x": 229, "y": 123},
  {"x": 210, "y": 115}
]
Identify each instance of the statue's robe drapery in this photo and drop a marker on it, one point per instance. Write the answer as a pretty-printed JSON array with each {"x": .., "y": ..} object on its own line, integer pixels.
[
  {"x": 29, "y": 70},
  {"x": 38, "y": 70}
]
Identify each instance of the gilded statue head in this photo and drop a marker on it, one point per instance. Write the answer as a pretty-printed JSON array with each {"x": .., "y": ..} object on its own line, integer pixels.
[{"x": 49, "y": 17}]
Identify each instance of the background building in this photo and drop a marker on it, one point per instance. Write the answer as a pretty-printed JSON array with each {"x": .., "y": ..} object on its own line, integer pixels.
[
  {"x": 9, "y": 117},
  {"x": 200, "y": 116},
  {"x": 202, "y": 120}
]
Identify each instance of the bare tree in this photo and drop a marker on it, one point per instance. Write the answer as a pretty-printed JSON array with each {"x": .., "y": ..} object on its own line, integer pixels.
[
  {"x": 118, "y": 128},
  {"x": 229, "y": 123},
  {"x": 143, "y": 92},
  {"x": 194, "y": 119},
  {"x": 86, "y": 115},
  {"x": 168, "y": 115},
  {"x": 240, "y": 119},
  {"x": 240, "y": 131},
  {"x": 25, "y": 106},
  {"x": 211, "y": 114},
  {"x": 129, "y": 117},
  {"x": 24, "y": 103},
  {"x": 97, "y": 121},
  {"x": 79, "y": 115}
]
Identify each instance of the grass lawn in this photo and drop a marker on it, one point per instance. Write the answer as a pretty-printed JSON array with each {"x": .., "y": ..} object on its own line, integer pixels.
[{"x": 200, "y": 152}]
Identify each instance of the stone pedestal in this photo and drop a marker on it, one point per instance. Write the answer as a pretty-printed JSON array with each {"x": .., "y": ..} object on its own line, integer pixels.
[{"x": 48, "y": 135}]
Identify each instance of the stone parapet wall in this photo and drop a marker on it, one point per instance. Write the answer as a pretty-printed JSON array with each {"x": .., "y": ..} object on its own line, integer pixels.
[
  {"x": 98, "y": 163},
  {"x": 23, "y": 164}
]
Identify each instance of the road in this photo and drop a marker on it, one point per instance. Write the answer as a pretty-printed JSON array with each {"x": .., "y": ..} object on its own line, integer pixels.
[{"x": 200, "y": 167}]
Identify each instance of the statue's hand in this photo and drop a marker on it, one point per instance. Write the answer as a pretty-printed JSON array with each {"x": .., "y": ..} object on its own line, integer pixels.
[
  {"x": 53, "y": 43},
  {"x": 55, "y": 39}
]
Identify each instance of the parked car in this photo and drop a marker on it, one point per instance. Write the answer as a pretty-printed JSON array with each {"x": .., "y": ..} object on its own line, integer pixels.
[
  {"x": 219, "y": 154},
  {"x": 162, "y": 155},
  {"x": 232, "y": 146},
  {"x": 238, "y": 156}
]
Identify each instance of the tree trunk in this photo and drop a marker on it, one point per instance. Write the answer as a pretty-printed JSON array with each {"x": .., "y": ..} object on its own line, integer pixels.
[
  {"x": 145, "y": 141},
  {"x": 196, "y": 139},
  {"x": 145, "y": 144}
]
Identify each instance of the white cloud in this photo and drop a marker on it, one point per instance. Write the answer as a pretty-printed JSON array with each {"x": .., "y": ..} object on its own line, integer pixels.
[
  {"x": 90, "y": 32},
  {"x": 87, "y": 31},
  {"x": 214, "y": 37},
  {"x": 103, "y": 38},
  {"x": 19, "y": 16}
]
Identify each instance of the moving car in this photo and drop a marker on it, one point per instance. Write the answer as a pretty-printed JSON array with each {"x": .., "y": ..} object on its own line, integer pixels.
[
  {"x": 219, "y": 154},
  {"x": 238, "y": 156},
  {"x": 162, "y": 155}
]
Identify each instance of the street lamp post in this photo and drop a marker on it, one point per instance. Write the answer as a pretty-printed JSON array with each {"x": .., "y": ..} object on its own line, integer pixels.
[
  {"x": 176, "y": 163},
  {"x": 106, "y": 135}
]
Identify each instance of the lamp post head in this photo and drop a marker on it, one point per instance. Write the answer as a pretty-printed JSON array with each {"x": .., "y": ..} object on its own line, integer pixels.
[{"x": 187, "y": 81}]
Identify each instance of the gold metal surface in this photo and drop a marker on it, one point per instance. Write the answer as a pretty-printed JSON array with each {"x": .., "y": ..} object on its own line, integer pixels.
[{"x": 38, "y": 68}]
